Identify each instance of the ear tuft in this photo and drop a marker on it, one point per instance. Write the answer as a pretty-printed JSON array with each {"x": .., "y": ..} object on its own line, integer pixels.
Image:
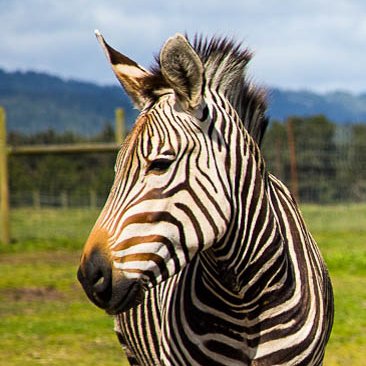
[{"x": 183, "y": 69}]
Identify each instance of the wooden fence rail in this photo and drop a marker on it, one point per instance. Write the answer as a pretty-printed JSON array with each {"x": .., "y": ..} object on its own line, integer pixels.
[{"x": 5, "y": 151}]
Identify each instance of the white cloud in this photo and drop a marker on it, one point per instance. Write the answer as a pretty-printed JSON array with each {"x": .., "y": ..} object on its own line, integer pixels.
[{"x": 305, "y": 44}]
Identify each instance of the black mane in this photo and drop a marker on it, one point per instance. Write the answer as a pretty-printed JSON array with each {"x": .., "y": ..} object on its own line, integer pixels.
[{"x": 225, "y": 62}]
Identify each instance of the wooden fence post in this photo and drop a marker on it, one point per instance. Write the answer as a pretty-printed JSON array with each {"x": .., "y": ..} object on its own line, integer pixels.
[
  {"x": 278, "y": 158},
  {"x": 120, "y": 128},
  {"x": 4, "y": 188}
]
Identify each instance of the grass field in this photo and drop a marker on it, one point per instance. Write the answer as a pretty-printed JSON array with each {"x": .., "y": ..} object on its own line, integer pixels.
[{"x": 45, "y": 319}]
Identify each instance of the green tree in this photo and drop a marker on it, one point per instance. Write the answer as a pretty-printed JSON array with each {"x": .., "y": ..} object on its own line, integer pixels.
[{"x": 357, "y": 162}]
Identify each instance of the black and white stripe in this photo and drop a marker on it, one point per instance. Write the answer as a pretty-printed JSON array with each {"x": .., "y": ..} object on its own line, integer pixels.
[{"x": 210, "y": 250}]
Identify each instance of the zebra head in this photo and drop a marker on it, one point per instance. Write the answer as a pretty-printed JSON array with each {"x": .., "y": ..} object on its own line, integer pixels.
[{"x": 172, "y": 193}]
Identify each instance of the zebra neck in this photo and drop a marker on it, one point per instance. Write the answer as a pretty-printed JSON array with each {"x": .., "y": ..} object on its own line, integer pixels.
[
  {"x": 252, "y": 255},
  {"x": 252, "y": 148},
  {"x": 257, "y": 265}
]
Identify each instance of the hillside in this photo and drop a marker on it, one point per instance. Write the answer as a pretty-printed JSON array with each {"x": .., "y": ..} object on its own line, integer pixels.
[
  {"x": 340, "y": 107},
  {"x": 36, "y": 101}
]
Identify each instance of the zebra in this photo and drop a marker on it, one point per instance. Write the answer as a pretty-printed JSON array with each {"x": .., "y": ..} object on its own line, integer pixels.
[{"x": 200, "y": 254}]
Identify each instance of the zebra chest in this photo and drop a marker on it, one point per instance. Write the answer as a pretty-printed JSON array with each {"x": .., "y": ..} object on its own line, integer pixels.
[
  {"x": 139, "y": 331},
  {"x": 172, "y": 327}
]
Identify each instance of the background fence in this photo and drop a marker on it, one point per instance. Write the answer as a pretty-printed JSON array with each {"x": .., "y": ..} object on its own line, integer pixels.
[
  {"x": 41, "y": 169},
  {"x": 320, "y": 161}
]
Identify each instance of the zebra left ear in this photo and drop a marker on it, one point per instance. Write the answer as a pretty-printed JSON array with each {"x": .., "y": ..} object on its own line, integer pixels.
[
  {"x": 131, "y": 75},
  {"x": 183, "y": 70}
]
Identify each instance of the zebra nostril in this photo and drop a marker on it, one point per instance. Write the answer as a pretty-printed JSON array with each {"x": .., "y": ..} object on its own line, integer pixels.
[
  {"x": 95, "y": 275},
  {"x": 102, "y": 286},
  {"x": 102, "y": 282}
]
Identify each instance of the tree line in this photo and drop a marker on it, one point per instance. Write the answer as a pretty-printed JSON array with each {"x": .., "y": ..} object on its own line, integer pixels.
[
  {"x": 60, "y": 179},
  {"x": 330, "y": 159},
  {"x": 320, "y": 160}
]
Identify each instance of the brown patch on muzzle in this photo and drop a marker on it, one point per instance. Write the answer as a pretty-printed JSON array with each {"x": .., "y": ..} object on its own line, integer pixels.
[
  {"x": 97, "y": 241},
  {"x": 95, "y": 271},
  {"x": 105, "y": 286}
]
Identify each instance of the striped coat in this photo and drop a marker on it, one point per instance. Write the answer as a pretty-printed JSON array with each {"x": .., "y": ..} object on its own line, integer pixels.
[{"x": 200, "y": 254}]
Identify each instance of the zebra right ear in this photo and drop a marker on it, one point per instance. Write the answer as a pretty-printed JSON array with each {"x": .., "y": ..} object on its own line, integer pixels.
[
  {"x": 182, "y": 69},
  {"x": 128, "y": 72}
]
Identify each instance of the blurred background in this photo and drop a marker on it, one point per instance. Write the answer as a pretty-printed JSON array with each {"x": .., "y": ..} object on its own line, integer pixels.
[{"x": 60, "y": 128}]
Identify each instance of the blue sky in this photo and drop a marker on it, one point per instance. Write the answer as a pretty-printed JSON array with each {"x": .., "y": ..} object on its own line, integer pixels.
[{"x": 317, "y": 45}]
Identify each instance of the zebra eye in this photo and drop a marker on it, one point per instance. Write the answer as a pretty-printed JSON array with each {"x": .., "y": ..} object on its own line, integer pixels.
[{"x": 159, "y": 166}]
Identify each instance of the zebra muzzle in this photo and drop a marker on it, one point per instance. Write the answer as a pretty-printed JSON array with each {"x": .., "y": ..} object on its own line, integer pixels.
[{"x": 106, "y": 288}]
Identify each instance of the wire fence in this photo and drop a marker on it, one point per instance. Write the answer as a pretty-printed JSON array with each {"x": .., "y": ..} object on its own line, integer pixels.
[
  {"x": 326, "y": 168},
  {"x": 324, "y": 174},
  {"x": 319, "y": 161},
  {"x": 327, "y": 173}
]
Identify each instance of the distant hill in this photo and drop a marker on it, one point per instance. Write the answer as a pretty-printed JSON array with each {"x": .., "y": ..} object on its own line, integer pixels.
[
  {"x": 37, "y": 101},
  {"x": 339, "y": 107}
]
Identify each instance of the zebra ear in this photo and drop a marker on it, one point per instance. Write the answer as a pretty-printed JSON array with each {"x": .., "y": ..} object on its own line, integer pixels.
[
  {"x": 128, "y": 72},
  {"x": 183, "y": 69}
]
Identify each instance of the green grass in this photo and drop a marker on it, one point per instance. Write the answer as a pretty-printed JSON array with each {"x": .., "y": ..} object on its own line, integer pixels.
[
  {"x": 341, "y": 234},
  {"x": 45, "y": 318},
  {"x": 50, "y": 228}
]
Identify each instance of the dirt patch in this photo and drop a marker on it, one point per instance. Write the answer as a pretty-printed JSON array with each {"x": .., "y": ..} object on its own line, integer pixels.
[
  {"x": 51, "y": 257},
  {"x": 32, "y": 294}
]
